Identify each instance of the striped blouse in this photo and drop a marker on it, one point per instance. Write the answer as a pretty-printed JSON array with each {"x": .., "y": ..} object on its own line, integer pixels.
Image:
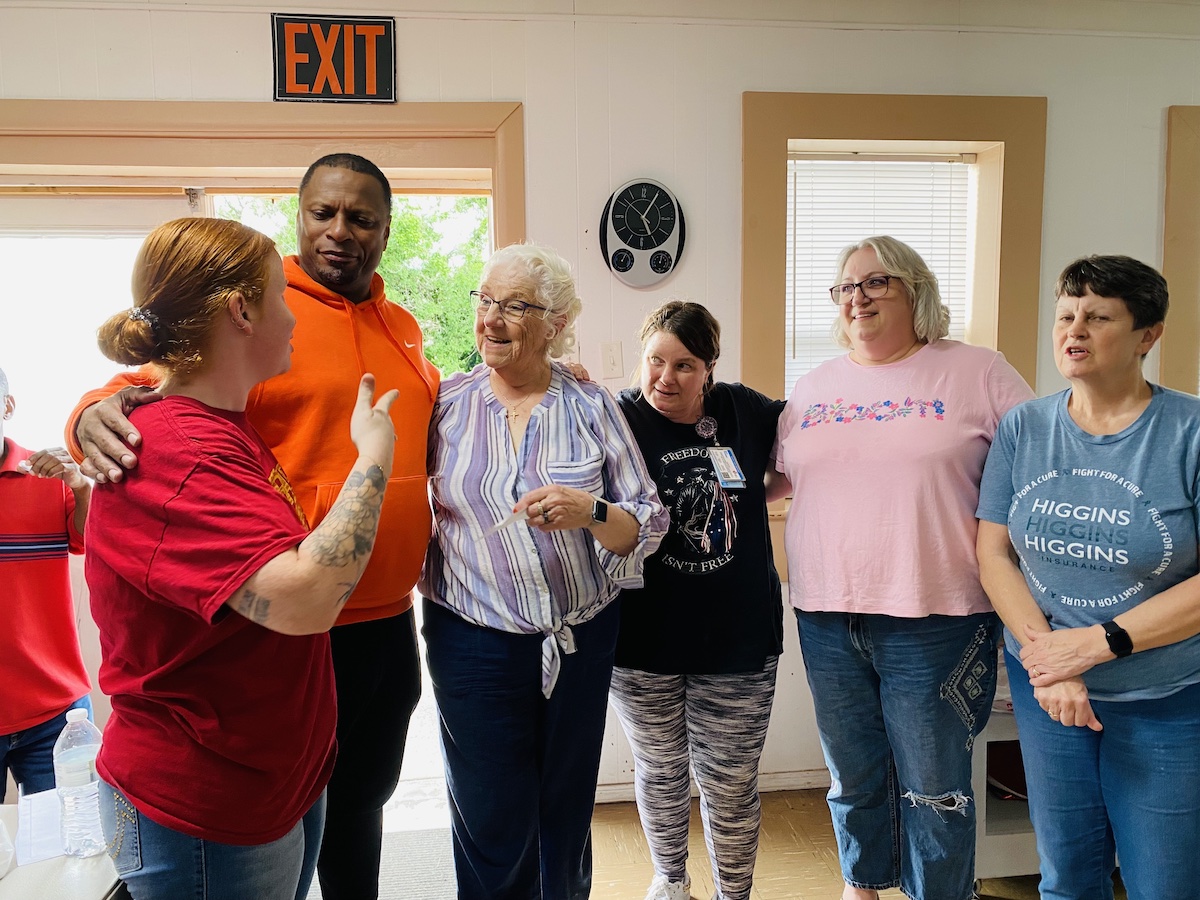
[{"x": 519, "y": 579}]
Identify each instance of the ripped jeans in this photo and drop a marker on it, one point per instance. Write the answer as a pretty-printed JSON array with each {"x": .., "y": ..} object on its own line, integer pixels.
[{"x": 899, "y": 703}]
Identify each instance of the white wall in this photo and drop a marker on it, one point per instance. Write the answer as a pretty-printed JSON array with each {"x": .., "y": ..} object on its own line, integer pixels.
[{"x": 649, "y": 93}]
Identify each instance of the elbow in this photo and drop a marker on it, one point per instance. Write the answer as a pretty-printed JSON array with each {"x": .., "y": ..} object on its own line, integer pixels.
[
  {"x": 315, "y": 619},
  {"x": 303, "y": 629},
  {"x": 624, "y": 548}
]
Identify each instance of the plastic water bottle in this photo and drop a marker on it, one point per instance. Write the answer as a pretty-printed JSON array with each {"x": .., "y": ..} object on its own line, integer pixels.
[{"x": 78, "y": 793}]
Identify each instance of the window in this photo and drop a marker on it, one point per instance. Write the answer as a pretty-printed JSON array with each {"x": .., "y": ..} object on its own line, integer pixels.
[
  {"x": 76, "y": 254},
  {"x": 1008, "y": 136},
  {"x": 835, "y": 202}
]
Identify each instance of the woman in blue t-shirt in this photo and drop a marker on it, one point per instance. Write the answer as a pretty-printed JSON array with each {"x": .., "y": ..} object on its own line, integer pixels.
[{"x": 1097, "y": 490}]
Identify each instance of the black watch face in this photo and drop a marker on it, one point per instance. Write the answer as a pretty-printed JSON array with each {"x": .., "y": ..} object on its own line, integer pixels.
[
  {"x": 660, "y": 262},
  {"x": 643, "y": 216},
  {"x": 622, "y": 260}
]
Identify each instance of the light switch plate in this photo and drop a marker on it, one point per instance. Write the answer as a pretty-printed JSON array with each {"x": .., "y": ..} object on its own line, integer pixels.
[{"x": 611, "y": 363}]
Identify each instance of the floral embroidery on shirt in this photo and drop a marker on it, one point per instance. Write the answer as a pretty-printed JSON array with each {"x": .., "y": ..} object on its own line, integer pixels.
[{"x": 879, "y": 411}]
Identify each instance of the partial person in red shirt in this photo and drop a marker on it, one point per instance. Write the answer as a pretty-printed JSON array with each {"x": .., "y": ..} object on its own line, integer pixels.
[
  {"x": 345, "y": 326},
  {"x": 43, "y": 505},
  {"x": 212, "y": 598}
]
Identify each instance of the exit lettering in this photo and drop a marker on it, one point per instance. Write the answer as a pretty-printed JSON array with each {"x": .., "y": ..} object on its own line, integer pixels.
[{"x": 334, "y": 59}]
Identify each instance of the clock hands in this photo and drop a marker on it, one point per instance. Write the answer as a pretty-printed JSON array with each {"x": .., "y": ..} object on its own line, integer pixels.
[
  {"x": 645, "y": 221},
  {"x": 642, "y": 215}
]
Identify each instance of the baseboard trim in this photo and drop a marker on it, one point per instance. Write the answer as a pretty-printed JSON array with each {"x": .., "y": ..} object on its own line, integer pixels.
[{"x": 807, "y": 779}]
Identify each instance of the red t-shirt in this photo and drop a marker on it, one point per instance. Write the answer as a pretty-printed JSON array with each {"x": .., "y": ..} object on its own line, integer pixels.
[
  {"x": 221, "y": 728},
  {"x": 41, "y": 670}
]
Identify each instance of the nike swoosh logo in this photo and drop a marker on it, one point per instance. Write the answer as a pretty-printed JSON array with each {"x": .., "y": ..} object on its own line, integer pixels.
[{"x": 408, "y": 345}]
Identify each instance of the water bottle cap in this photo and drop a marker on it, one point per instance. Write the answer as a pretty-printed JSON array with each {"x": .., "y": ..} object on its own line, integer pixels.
[{"x": 76, "y": 715}]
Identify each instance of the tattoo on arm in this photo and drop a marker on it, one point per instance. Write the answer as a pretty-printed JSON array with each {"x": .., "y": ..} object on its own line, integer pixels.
[
  {"x": 347, "y": 534},
  {"x": 254, "y": 607},
  {"x": 349, "y": 586}
]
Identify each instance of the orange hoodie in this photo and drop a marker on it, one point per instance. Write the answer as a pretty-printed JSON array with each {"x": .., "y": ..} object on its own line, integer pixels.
[{"x": 304, "y": 417}]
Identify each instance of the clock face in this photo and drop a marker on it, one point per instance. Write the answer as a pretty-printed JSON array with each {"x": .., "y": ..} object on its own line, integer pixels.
[
  {"x": 642, "y": 232},
  {"x": 643, "y": 215}
]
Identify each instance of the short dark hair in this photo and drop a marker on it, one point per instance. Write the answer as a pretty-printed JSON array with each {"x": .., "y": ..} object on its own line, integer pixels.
[
  {"x": 1142, "y": 289},
  {"x": 354, "y": 163},
  {"x": 695, "y": 327}
]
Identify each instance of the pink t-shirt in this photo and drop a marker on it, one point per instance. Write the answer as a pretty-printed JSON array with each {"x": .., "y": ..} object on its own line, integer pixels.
[{"x": 885, "y": 463}]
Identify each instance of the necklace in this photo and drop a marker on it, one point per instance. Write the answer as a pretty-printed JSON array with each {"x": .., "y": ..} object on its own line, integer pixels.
[{"x": 512, "y": 409}]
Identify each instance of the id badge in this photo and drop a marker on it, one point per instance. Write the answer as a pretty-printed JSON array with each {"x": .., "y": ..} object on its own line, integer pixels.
[{"x": 725, "y": 464}]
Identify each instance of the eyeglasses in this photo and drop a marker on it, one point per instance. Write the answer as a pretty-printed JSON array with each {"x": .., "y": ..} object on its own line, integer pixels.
[
  {"x": 512, "y": 310},
  {"x": 872, "y": 288}
]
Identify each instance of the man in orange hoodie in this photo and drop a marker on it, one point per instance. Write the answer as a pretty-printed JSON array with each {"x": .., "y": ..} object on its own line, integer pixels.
[{"x": 345, "y": 326}]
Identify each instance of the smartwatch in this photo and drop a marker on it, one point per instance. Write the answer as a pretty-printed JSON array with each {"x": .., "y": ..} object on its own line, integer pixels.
[
  {"x": 1119, "y": 641},
  {"x": 599, "y": 511}
]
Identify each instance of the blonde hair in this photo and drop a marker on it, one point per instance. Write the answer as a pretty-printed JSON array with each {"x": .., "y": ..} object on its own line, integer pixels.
[
  {"x": 548, "y": 276},
  {"x": 182, "y": 278},
  {"x": 931, "y": 317}
]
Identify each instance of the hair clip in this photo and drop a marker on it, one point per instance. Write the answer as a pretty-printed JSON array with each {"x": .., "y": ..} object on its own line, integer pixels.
[{"x": 138, "y": 314}]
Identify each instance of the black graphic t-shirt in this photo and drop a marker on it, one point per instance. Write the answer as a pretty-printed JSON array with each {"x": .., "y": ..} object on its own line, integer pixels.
[{"x": 711, "y": 603}]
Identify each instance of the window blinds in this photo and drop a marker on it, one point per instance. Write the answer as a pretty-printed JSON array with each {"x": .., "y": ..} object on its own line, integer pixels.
[{"x": 832, "y": 203}]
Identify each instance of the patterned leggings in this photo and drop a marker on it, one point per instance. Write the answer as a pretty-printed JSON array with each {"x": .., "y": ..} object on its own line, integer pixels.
[{"x": 719, "y": 724}]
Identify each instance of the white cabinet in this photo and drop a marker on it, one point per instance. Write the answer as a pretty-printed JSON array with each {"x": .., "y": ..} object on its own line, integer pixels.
[{"x": 1004, "y": 844}]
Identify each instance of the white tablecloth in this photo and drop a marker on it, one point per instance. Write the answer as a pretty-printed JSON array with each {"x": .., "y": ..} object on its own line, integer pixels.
[{"x": 63, "y": 877}]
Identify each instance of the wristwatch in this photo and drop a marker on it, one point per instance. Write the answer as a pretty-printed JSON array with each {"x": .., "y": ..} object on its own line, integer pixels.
[
  {"x": 599, "y": 511},
  {"x": 1119, "y": 641}
]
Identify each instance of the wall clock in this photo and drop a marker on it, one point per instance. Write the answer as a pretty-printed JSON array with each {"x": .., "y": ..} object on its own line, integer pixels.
[{"x": 641, "y": 232}]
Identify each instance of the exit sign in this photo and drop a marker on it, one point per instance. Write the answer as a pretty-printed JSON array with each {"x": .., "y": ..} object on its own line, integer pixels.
[{"x": 334, "y": 58}]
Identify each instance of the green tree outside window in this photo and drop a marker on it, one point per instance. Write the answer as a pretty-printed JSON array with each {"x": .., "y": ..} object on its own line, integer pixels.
[{"x": 430, "y": 279}]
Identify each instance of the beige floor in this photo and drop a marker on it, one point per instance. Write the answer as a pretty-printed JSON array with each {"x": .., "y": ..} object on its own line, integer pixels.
[{"x": 797, "y": 858}]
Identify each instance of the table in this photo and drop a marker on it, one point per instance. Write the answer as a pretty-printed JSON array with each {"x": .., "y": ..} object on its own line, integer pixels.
[{"x": 59, "y": 878}]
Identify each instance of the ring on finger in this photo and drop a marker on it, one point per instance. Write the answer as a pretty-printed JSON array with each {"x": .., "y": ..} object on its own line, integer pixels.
[
  {"x": 1034, "y": 673},
  {"x": 545, "y": 516},
  {"x": 1054, "y": 716}
]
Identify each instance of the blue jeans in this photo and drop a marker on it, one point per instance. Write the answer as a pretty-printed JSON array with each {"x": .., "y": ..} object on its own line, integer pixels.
[
  {"x": 30, "y": 753},
  {"x": 899, "y": 703},
  {"x": 1131, "y": 790},
  {"x": 158, "y": 863},
  {"x": 520, "y": 768}
]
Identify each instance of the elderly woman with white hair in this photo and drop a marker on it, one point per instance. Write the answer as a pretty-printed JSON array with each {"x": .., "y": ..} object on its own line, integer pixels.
[
  {"x": 544, "y": 511},
  {"x": 885, "y": 448}
]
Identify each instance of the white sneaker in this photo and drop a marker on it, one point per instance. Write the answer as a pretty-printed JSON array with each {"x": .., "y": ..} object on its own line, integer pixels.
[{"x": 662, "y": 889}]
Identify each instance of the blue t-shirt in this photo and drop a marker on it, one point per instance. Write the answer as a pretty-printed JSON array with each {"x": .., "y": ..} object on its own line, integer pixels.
[{"x": 1102, "y": 523}]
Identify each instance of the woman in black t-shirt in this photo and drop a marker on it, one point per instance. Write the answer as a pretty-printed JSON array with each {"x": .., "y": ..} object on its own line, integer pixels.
[{"x": 699, "y": 643}]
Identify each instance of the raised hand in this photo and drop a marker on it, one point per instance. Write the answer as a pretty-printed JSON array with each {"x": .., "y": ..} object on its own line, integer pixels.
[{"x": 371, "y": 424}]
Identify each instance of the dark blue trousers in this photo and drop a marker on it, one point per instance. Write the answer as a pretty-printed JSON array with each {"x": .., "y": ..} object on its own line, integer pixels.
[{"x": 520, "y": 768}]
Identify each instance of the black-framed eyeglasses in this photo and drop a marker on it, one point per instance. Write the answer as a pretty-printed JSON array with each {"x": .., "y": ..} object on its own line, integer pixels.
[
  {"x": 512, "y": 310},
  {"x": 872, "y": 288}
]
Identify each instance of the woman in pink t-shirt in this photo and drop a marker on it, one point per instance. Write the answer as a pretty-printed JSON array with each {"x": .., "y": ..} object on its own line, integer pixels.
[
  {"x": 885, "y": 448},
  {"x": 212, "y": 598}
]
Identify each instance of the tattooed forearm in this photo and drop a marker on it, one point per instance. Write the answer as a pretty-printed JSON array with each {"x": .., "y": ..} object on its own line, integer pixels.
[
  {"x": 254, "y": 607},
  {"x": 348, "y": 532}
]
